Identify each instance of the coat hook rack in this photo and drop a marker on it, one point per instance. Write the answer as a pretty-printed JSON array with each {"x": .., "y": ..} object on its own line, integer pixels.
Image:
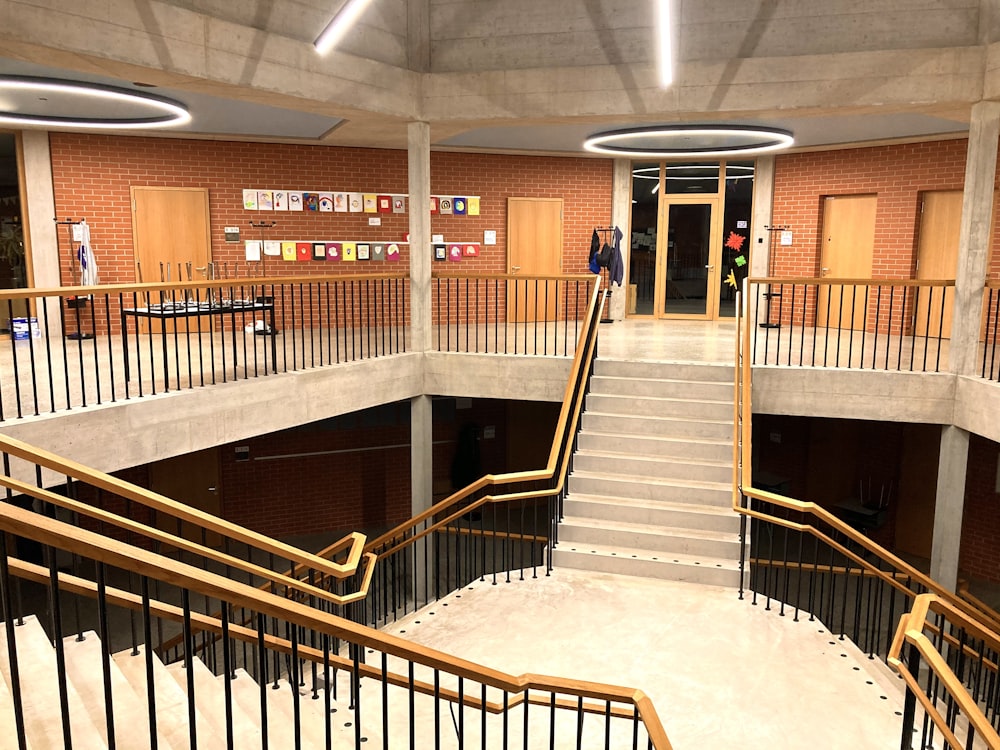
[{"x": 75, "y": 302}]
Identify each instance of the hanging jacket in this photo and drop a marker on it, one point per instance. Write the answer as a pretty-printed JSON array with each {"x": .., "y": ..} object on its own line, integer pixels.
[
  {"x": 616, "y": 266},
  {"x": 595, "y": 247}
]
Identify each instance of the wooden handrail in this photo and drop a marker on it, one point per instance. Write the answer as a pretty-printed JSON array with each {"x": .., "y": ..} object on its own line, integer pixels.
[
  {"x": 829, "y": 281},
  {"x": 512, "y": 276},
  {"x": 92, "y": 546}
]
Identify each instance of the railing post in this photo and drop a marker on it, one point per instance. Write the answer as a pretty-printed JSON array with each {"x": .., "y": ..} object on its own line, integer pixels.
[{"x": 910, "y": 702}]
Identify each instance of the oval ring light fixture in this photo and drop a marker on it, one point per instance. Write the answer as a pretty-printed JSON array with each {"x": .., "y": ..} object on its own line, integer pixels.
[
  {"x": 87, "y": 101},
  {"x": 679, "y": 141}
]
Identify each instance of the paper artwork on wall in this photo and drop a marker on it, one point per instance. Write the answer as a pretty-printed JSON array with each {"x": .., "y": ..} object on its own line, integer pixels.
[
  {"x": 385, "y": 204},
  {"x": 460, "y": 206},
  {"x": 472, "y": 205},
  {"x": 303, "y": 250},
  {"x": 454, "y": 253},
  {"x": 340, "y": 203},
  {"x": 295, "y": 201},
  {"x": 392, "y": 252},
  {"x": 250, "y": 200},
  {"x": 280, "y": 200},
  {"x": 252, "y": 250},
  {"x": 288, "y": 251},
  {"x": 370, "y": 203},
  {"x": 399, "y": 204},
  {"x": 265, "y": 200},
  {"x": 333, "y": 251},
  {"x": 310, "y": 201},
  {"x": 355, "y": 202},
  {"x": 319, "y": 251},
  {"x": 434, "y": 205},
  {"x": 364, "y": 251},
  {"x": 349, "y": 251},
  {"x": 471, "y": 249},
  {"x": 378, "y": 251},
  {"x": 326, "y": 202},
  {"x": 272, "y": 247},
  {"x": 440, "y": 252},
  {"x": 445, "y": 205}
]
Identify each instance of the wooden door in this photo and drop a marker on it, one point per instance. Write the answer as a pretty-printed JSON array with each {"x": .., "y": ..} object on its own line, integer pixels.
[
  {"x": 848, "y": 244},
  {"x": 918, "y": 474},
  {"x": 170, "y": 228},
  {"x": 937, "y": 258},
  {"x": 534, "y": 248},
  {"x": 192, "y": 479}
]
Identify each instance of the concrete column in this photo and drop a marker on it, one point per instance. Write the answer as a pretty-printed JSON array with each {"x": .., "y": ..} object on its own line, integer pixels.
[
  {"x": 974, "y": 236},
  {"x": 760, "y": 238},
  {"x": 418, "y": 35},
  {"x": 419, "y": 165},
  {"x": 421, "y": 480},
  {"x": 948, "y": 506},
  {"x": 621, "y": 217},
  {"x": 38, "y": 212}
]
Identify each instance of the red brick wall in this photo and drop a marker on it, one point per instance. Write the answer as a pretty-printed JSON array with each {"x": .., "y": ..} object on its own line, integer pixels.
[{"x": 980, "y": 553}]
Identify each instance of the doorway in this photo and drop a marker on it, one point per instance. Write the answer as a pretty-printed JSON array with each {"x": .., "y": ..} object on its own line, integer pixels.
[
  {"x": 534, "y": 249},
  {"x": 846, "y": 253},
  {"x": 13, "y": 248}
]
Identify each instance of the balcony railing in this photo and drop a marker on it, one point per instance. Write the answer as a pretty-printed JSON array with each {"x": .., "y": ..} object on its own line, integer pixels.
[
  {"x": 990, "y": 332},
  {"x": 902, "y": 325}
]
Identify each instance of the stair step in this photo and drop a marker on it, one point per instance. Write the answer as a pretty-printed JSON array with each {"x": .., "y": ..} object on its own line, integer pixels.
[
  {"x": 678, "y": 515},
  {"x": 679, "y": 370},
  {"x": 643, "y": 563},
  {"x": 665, "y": 407},
  {"x": 718, "y": 449},
  {"x": 692, "y": 491},
  {"x": 210, "y": 698},
  {"x": 696, "y": 542},
  {"x": 613, "y": 385},
  {"x": 280, "y": 703},
  {"x": 673, "y": 426},
  {"x": 85, "y": 669},
  {"x": 621, "y": 464},
  {"x": 171, "y": 701},
  {"x": 8, "y": 724},
  {"x": 39, "y": 690}
]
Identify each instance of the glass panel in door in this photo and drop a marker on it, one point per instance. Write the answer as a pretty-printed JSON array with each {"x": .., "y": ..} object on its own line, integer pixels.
[
  {"x": 689, "y": 235},
  {"x": 641, "y": 298}
]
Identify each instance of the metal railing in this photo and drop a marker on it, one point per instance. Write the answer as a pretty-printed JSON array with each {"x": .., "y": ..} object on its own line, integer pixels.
[
  {"x": 74, "y": 347},
  {"x": 802, "y": 560},
  {"x": 872, "y": 324},
  {"x": 510, "y": 314},
  {"x": 991, "y": 331}
]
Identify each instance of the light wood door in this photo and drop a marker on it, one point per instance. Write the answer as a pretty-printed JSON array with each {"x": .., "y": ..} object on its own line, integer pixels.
[
  {"x": 192, "y": 479},
  {"x": 848, "y": 245},
  {"x": 918, "y": 474},
  {"x": 170, "y": 228},
  {"x": 534, "y": 248},
  {"x": 937, "y": 258}
]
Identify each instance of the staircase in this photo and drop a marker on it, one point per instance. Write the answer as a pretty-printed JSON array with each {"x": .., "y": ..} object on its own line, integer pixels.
[{"x": 651, "y": 490}]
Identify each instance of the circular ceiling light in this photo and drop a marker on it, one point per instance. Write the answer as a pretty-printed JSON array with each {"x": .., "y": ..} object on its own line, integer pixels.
[
  {"x": 678, "y": 141},
  {"x": 53, "y": 102}
]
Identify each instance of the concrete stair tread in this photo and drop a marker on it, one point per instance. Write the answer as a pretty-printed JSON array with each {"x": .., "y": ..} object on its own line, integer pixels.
[
  {"x": 210, "y": 697},
  {"x": 707, "y": 462},
  {"x": 699, "y": 483},
  {"x": 692, "y": 381},
  {"x": 715, "y": 510},
  {"x": 8, "y": 724},
  {"x": 665, "y": 439},
  {"x": 678, "y": 418},
  {"x": 665, "y": 399},
  {"x": 642, "y": 528},
  {"x": 627, "y": 553}
]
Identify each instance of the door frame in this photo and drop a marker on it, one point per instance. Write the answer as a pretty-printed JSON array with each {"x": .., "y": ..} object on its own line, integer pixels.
[{"x": 662, "y": 255}]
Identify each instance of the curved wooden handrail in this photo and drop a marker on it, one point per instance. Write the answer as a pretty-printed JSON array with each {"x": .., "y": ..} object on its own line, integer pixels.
[
  {"x": 830, "y": 281},
  {"x": 512, "y": 276},
  {"x": 911, "y": 630},
  {"x": 92, "y": 546}
]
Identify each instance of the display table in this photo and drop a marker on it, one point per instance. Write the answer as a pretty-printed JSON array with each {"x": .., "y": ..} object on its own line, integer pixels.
[{"x": 241, "y": 312}]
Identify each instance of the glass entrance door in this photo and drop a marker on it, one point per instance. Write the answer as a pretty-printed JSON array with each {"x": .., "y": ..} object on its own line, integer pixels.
[{"x": 689, "y": 277}]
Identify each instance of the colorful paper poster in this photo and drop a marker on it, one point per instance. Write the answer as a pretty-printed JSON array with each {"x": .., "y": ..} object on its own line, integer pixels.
[
  {"x": 370, "y": 203},
  {"x": 252, "y": 250},
  {"x": 319, "y": 251},
  {"x": 445, "y": 205},
  {"x": 399, "y": 204},
  {"x": 295, "y": 201},
  {"x": 340, "y": 203},
  {"x": 311, "y": 201},
  {"x": 392, "y": 252},
  {"x": 265, "y": 200},
  {"x": 280, "y": 200},
  {"x": 355, "y": 202},
  {"x": 250, "y": 200},
  {"x": 385, "y": 204},
  {"x": 349, "y": 251},
  {"x": 333, "y": 251},
  {"x": 303, "y": 250},
  {"x": 454, "y": 253},
  {"x": 460, "y": 205},
  {"x": 272, "y": 247},
  {"x": 472, "y": 205},
  {"x": 364, "y": 251},
  {"x": 378, "y": 251},
  {"x": 326, "y": 202},
  {"x": 434, "y": 204},
  {"x": 470, "y": 249},
  {"x": 288, "y": 251},
  {"x": 440, "y": 252}
]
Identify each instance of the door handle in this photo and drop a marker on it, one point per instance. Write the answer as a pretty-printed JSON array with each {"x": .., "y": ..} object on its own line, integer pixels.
[
  {"x": 709, "y": 267},
  {"x": 824, "y": 271},
  {"x": 515, "y": 269}
]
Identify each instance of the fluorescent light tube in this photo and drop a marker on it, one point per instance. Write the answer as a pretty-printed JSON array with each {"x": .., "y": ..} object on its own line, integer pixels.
[
  {"x": 346, "y": 17},
  {"x": 664, "y": 39}
]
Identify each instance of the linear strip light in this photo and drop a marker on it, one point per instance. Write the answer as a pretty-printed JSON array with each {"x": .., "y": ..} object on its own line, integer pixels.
[
  {"x": 678, "y": 141},
  {"x": 345, "y": 18},
  {"x": 174, "y": 113},
  {"x": 664, "y": 43}
]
